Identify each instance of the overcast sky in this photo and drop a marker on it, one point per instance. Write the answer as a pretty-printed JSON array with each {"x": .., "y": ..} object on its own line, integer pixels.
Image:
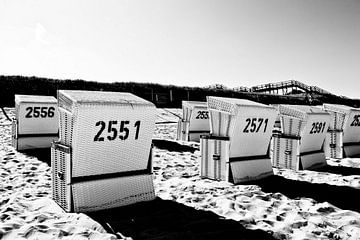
[{"x": 185, "y": 42}]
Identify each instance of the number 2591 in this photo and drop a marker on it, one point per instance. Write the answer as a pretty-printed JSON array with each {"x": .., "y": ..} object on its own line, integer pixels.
[{"x": 112, "y": 128}]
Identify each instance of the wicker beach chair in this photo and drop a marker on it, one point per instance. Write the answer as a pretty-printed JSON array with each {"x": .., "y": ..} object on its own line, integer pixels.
[
  {"x": 36, "y": 122},
  {"x": 237, "y": 149},
  {"x": 299, "y": 145},
  {"x": 195, "y": 121},
  {"x": 103, "y": 157}
]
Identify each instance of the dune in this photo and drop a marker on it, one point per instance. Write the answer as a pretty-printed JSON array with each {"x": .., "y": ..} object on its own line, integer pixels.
[{"x": 318, "y": 204}]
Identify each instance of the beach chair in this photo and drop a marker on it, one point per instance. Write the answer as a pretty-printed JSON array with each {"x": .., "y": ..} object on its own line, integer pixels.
[
  {"x": 195, "y": 121},
  {"x": 237, "y": 149},
  {"x": 36, "y": 122},
  {"x": 350, "y": 136},
  {"x": 300, "y": 143},
  {"x": 103, "y": 158}
]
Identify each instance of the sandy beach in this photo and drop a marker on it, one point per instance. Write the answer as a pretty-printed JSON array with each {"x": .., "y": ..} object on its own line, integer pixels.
[{"x": 321, "y": 204}]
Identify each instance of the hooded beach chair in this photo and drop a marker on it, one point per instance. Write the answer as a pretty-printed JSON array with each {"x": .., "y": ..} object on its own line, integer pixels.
[
  {"x": 299, "y": 144},
  {"x": 237, "y": 149},
  {"x": 103, "y": 158},
  {"x": 194, "y": 122},
  {"x": 36, "y": 122}
]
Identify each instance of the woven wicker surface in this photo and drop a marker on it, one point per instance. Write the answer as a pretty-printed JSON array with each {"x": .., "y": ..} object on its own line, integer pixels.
[
  {"x": 291, "y": 125},
  {"x": 308, "y": 109},
  {"x": 246, "y": 140},
  {"x": 111, "y": 193},
  {"x": 60, "y": 170},
  {"x": 230, "y": 105},
  {"x": 34, "y": 99},
  {"x": 190, "y": 108},
  {"x": 351, "y": 128},
  {"x": 66, "y": 127},
  {"x": 333, "y": 146},
  {"x": 339, "y": 108},
  {"x": 290, "y": 111},
  {"x": 221, "y": 124},
  {"x": 25, "y": 143},
  {"x": 94, "y": 97},
  {"x": 186, "y": 113},
  {"x": 313, "y": 161},
  {"x": 217, "y": 168},
  {"x": 337, "y": 120},
  {"x": 312, "y": 140},
  {"x": 97, "y": 194},
  {"x": 198, "y": 119},
  {"x": 244, "y": 171},
  {"x": 352, "y": 150},
  {"x": 31, "y": 120},
  {"x": 108, "y": 132},
  {"x": 182, "y": 130},
  {"x": 192, "y": 104},
  {"x": 100, "y": 157},
  {"x": 299, "y": 111},
  {"x": 285, "y": 153}
]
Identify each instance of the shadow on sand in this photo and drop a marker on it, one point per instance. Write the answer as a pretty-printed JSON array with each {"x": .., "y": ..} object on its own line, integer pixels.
[
  {"x": 341, "y": 196},
  {"x": 172, "y": 146},
  {"x": 43, "y": 154},
  {"x": 345, "y": 171},
  {"x": 165, "y": 219}
]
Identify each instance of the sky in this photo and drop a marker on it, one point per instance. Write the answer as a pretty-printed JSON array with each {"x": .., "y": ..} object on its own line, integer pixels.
[{"x": 185, "y": 42}]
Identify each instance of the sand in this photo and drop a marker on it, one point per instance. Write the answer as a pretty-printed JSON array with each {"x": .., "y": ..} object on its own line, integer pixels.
[
  {"x": 26, "y": 208},
  {"x": 290, "y": 205}
]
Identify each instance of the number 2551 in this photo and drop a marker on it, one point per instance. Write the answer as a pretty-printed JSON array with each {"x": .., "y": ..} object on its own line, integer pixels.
[{"x": 112, "y": 129}]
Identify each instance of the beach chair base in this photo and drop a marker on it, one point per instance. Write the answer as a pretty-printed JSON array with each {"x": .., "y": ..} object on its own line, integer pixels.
[
  {"x": 312, "y": 160},
  {"x": 31, "y": 141},
  {"x": 252, "y": 168},
  {"x": 351, "y": 149},
  {"x": 93, "y": 193},
  {"x": 26, "y": 143},
  {"x": 286, "y": 154}
]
